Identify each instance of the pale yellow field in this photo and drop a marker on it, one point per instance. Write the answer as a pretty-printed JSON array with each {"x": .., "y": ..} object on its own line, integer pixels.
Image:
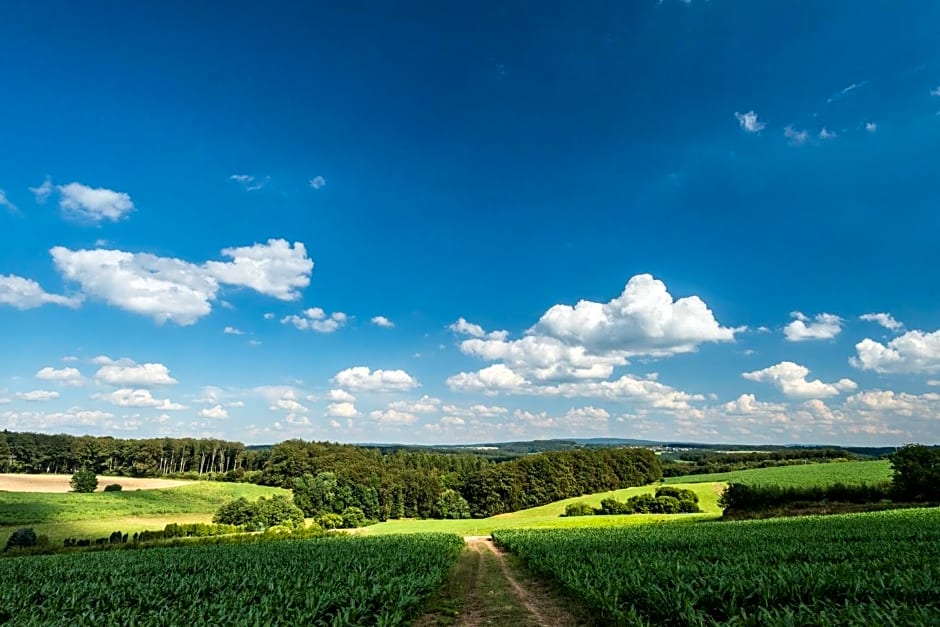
[{"x": 60, "y": 483}]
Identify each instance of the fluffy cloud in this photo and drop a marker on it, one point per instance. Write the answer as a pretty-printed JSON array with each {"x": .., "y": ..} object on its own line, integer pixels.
[
  {"x": 127, "y": 397},
  {"x": 36, "y": 396},
  {"x": 216, "y": 412},
  {"x": 424, "y": 405},
  {"x": 70, "y": 377},
  {"x": 823, "y": 327},
  {"x": 790, "y": 378},
  {"x": 478, "y": 411},
  {"x": 747, "y": 404},
  {"x": 884, "y": 319},
  {"x": 362, "y": 378},
  {"x": 93, "y": 204},
  {"x": 171, "y": 289},
  {"x": 315, "y": 319},
  {"x": 749, "y": 122},
  {"x": 27, "y": 294},
  {"x": 491, "y": 380},
  {"x": 341, "y": 396},
  {"x": 275, "y": 269},
  {"x": 393, "y": 417},
  {"x": 462, "y": 327},
  {"x": 382, "y": 321},
  {"x": 343, "y": 409},
  {"x": 232, "y": 331},
  {"x": 140, "y": 375},
  {"x": 915, "y": 351},
  {"x": 590, "y": 339}
]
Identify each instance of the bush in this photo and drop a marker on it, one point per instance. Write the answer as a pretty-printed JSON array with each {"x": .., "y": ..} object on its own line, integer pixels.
[
  {"x": 353, "y": 517},
  {"x": 667, "y": 505},
  {"x": 330, "y": 521},
  {"x": 21, "y": 539},
  {"x": 740, "y": 497},
  {"x": 84, "y": 480},
  {"x": 263, "y": 513},
  {"x": 680, "y": 494},
  {"x": 916, "y": 473},
  {"x": 113, "y": 487},
  {"x": 579, "y": 509}
]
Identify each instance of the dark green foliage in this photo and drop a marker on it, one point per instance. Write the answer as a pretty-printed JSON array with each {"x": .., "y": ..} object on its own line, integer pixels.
[
  {"x": 667, "y": 500},
  {"x": 742, "y": 497},
  {"x": 21, "y": 539},
  {"x": 546, "y": 477},
  {"x": 330, "y": 521},
  {"x": 579, "y": 509},
  {"x": 353, "y": 518},
  {"x": 261, "y": 514},
  {"x": 916, "y": 473},
  {"x": 667, "y": 505},
  {"x": 701, "y": 463},
  {"x": 84, "y": 480},
  {"x": 113, "y": 487},
  {"x": 680, "y": 494},
  {"x": 452, "y": 505}
]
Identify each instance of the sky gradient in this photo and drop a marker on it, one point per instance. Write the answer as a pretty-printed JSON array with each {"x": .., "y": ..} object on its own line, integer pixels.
[{"x": 710, "y": 221}]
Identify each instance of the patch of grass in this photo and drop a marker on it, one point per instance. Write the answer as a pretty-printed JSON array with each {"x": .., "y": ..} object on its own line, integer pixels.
[
  {"x": 204, "y": 497},
  {"x": 549, "y": 516},
  {"x": 848, "y": 473}
]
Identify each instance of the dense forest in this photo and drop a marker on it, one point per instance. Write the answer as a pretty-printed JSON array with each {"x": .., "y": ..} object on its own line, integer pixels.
[
  {"x": 700, "y": 463},
  {"x": 328, "y": 477}
]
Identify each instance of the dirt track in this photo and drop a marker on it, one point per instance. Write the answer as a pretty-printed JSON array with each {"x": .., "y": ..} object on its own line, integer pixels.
[{"x": 60, "y": 483}]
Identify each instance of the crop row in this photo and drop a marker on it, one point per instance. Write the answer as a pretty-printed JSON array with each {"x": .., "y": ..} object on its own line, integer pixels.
[
  {"x": 324, "y": 581},
  {"x": 880, "y": 568}
]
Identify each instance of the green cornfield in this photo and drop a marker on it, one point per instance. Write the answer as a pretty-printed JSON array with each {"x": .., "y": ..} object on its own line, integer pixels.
[
  {"x": 864, "y": 569},
  {"x": 325, "y": 581}
]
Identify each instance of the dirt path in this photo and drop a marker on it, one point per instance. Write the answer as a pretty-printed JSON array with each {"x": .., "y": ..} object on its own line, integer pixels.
[
  {"x": 60, "y": 483},
  {"x": 488, "y": 588}
]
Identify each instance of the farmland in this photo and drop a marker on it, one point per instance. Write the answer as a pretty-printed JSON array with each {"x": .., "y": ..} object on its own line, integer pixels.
[
  {"x": 339, "y": 580},
  {"x": 800, "y": 475},
  {"x": 878, "y": 568},
  {"x": 89, "y": 515}
]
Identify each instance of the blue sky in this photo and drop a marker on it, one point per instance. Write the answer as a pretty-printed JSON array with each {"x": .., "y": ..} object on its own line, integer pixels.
[{"x": 711, "y": 221}]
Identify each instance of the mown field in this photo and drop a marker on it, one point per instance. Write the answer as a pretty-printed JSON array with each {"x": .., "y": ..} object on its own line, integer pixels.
[
  {"x": 863, "y": 569},
  {"x": 92, "y": 515},
  {"x": 800, "y": 475},
  {"x": 325, "y": 581}
]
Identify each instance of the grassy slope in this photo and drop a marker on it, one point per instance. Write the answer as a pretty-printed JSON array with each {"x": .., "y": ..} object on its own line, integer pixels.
[
  {"x": 800, "y": 475},
  {"x": 550, "y": 515},
  {"x": 98, "y": 514}
]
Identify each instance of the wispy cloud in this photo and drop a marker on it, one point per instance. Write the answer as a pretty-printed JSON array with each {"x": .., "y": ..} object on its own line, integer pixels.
[
  {"x": 847, "y": 90},
  {"x": 43, "y": 191},
  {"x": 797, "y": 138},
  {"x": 749, "y": 122},
  {"x": 317, "y": 182},
  {"x": 250, "y": 183},
  {"x": 825, "y": 133},
  {"x": 871, "y": 127},
  {"x": 5, "y": 202}
]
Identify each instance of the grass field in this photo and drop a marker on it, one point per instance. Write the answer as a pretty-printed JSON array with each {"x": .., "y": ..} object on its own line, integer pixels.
[
  {"x": 60, "y": 483},
  {"x": 849, "y": 473},
  {"x": 93, "y": 515},
  {"x": 550, "y": 515}
]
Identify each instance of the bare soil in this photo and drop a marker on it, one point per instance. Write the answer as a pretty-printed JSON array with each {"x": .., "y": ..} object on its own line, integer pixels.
[
  {"x": 487, "y": 587},
  {"x": 60, "y": 483}
]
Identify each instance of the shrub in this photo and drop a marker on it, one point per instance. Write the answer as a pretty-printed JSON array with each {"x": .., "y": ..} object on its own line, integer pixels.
[
  {"x": 263, "y": 513},
  {"x": 667, "y": 505},
  {"x": 113, "y": 487},
  {"x": 452, "y": 505},
  {"x": 330, "y": 521},
  {"x": 84, "y": 480},
  {"x": 642, "y": 504},
  {"x": 579, "y": 509},
  {"x": 680, "y": 494},
  {"x": 23, "y": 538},
  {"x": 353, "y": 517}
]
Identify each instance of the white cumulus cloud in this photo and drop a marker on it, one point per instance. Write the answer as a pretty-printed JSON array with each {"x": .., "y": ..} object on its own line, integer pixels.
[
  {"x": 95, "y": 204},
  {"x": 884, "y": 319},
  {"x": 790, "y": 379},
  {"x": 70, "y": 377},
  {"x": 749, "y": 122},
  {"x": 914, "y": 351},
  {"x": 424, "y": 405},
  {"x": 315, "y": 319},
  {"x": 342, "y": 409},
  {"x": 823, "y": 326},
  {"x": 382, "y": 321},
  {"x": 362, "y": 378},
  {"x": 135, "y": 375},
  {"x": 37, "y": 395},
  {"x": 216, "y": 412},
  {"x": 24, "y": 293},
  {"x": 393, "y": 417},
  {"x": 128, "y": 397}
]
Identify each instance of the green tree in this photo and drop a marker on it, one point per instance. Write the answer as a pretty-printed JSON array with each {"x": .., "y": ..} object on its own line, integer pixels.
[
  {"x": 916, "y": 473},
  {"x": 353, "y": 517},
  {"x": 84, "y": 480},
  {"x": 21, "y": 539},
  {"x": 452, "y": 505}
]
